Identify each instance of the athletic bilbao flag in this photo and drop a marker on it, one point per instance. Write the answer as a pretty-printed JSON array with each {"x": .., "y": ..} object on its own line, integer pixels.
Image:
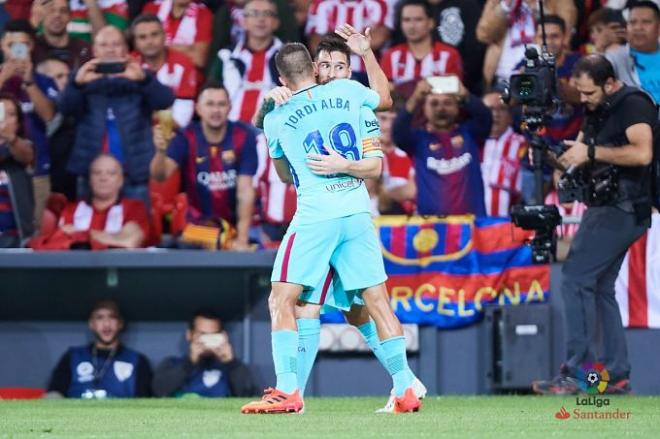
[{"x": 638, "y": 284}]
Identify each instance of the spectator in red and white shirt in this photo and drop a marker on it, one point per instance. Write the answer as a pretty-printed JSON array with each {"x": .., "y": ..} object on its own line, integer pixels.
[
  {"x": 278, "y": 200},
  {"x": 105, "y": 220},
  {"x": 398, "y": 191},
  {"x": 248, "y": 70},
  {"x": 501, "y": 161},
  {"x": 172, "y": 68},
  {"x": 419, "y": 57},
  {"x": 188, "y": 27},
  {"x": 327, "y": 15}
]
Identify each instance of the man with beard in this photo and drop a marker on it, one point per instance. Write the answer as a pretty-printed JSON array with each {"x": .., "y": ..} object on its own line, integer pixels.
[
  {"x": 217, "y": 159},
  {"x": 445, "y": 151},
  {"x": 104, "y": 368},
  {"x": 209, "y": 368},
  {"x": 171, "y": 67},
  {"x": 55, "y": 41}
]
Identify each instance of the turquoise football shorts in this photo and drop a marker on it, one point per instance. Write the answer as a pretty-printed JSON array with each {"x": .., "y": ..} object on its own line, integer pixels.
[{"x": 334, "y": 260}]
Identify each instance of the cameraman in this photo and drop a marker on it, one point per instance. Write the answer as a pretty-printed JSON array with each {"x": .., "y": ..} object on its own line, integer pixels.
[{"x": 620, "y": 122}]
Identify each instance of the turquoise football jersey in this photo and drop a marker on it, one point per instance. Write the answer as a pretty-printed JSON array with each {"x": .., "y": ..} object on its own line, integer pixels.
[{"x": 320, "y": 117}]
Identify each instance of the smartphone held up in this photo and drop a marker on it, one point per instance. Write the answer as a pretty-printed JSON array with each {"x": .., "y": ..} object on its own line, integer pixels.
[{"x": 444, "y": 84}]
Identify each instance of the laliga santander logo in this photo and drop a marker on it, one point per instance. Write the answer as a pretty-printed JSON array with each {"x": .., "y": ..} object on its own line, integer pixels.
[
  {"x": 593, "y": 378},
  {"x": 562, "y": 414}
]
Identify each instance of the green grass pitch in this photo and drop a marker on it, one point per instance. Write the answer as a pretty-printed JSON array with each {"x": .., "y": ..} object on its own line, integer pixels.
[{"x": 451, "y": 416}]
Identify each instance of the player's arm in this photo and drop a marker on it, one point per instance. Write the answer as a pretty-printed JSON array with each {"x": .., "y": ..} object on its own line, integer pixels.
[
  {"x": 334, "y": 163},
  {"x": 277, "y": 96},
  {"x": 283, "y": 170},
  {"x": 361, "y": 45},
  {"x": 370, "y": 167},
  {"x": 369, "y": 163}
]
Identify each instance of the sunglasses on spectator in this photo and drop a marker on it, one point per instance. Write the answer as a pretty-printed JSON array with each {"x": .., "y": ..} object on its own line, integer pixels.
[{"x": 257, "y": 14}]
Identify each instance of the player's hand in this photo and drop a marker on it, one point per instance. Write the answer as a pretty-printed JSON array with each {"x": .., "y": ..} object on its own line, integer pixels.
[
  {"x": 576, "y": 155},
  {"x": 358, "y": 43},
  {"x": 280, "y": 95},
  {"x": 333, "y": 163}
]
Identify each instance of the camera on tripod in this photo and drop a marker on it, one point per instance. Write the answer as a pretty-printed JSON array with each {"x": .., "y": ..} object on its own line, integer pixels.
[
  {"x": 543, "y": 220},
  {"x": 536, "y": 90}
]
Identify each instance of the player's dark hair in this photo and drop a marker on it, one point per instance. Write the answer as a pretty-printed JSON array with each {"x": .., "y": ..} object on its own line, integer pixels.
[
  {"x": 333, "y": 43},
  {"x": 645, "y": 4},
  {"x": 20, "y": 25},
  {"x": 294, "y": 62},
  {"x": 555, "y": 19},
  {"x": 204, "y": 313},
  {"x": 597, "y": 67}
]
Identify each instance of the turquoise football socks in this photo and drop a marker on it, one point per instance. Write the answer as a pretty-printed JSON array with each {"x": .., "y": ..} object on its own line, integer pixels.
[
  {"x": 285, "y": 353},
  {"x": 309, "y": 334}
]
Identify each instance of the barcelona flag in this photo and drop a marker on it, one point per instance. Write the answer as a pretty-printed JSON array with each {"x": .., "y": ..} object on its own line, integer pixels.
[{"x": 442, "y": 271}]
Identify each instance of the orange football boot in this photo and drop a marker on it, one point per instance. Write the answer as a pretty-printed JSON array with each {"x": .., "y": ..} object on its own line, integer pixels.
[
  {"x": 275, "y": 401},
  {"x": 407, "y": 403}
]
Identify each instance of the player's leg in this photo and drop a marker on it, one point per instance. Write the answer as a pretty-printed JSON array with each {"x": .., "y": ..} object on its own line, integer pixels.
[
  {"x": 393, "y": 345},
  {"x": 358, "y": 316},
  {"x": 285, "y": 397},
  {"x": 295, "y": 268},
  {"x": 359, "y": 263},
  {"x": 309, "y": 335}
]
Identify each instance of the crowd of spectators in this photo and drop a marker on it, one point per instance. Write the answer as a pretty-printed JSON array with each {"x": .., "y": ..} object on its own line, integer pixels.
[{"x": 121, "y": 117}]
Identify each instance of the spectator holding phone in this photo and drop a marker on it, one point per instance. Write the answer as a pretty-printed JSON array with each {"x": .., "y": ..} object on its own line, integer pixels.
[
  {"x": 113, "y": 98},
  {"x": 445, "y": 151},
  {"x": 16, "y": 202},
  {"x": 209, "y": 369},
  {"x": 36, "y": 94}
]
